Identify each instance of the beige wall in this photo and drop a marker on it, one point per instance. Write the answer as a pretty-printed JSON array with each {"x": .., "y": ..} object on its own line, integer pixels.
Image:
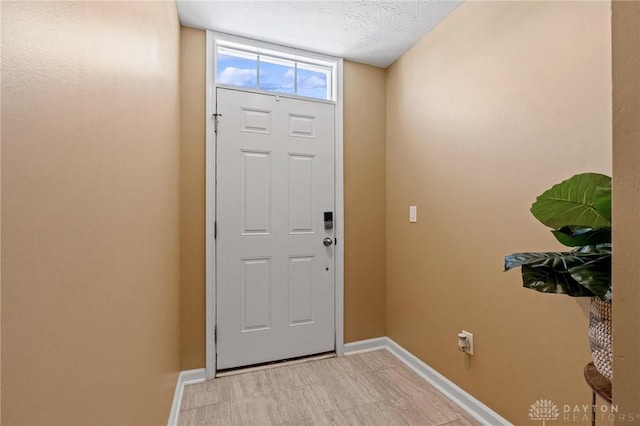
[
  {"x": 499, "y": 102},
  {"x": 364, "y": 200},
  {"x": 626, "y": 206},
  {"x": 364, "y": 158},
  {"x": 192, "y": 197},
  {"x": 90, "y": 188}
]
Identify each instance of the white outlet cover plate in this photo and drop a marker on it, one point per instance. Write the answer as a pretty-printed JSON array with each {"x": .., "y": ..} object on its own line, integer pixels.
[
  {"x": 470, "y": 340},
  {"x": 413, "y": 214}
]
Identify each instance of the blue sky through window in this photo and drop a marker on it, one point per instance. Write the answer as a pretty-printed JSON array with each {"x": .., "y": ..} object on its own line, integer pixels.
[
  {"x": 276, "y": 75},
  {"x": 237, "y": 71},
  {"x": 312, "y": 83}
]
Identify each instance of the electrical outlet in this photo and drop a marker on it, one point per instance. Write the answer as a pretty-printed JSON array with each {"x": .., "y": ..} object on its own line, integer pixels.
[{"x": 469, "y": 341}]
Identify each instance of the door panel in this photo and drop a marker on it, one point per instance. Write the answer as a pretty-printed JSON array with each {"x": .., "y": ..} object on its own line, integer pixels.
[
  {"x": 301, "y": 205},
  {"x": 301, "y": 290},
  {"x": 255, "y": 291},
  {"x": 255, "y": 192},
  {"x": 275, "y": 280}
]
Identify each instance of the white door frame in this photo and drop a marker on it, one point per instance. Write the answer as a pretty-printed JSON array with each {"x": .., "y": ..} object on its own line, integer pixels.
[{"x": 210, "y": 191}]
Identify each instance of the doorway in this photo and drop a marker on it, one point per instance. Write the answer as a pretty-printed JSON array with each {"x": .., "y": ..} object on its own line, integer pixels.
[
  {"x": 299, "y": 265},
  {"x": 275, "y": 239}
]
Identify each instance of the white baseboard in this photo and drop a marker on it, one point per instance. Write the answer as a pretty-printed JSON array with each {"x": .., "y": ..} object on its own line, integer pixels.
[
  {"x": 456, "y": 394},
  {"x": 186, "y": 377},
  {"x": 365, "y": 345}
]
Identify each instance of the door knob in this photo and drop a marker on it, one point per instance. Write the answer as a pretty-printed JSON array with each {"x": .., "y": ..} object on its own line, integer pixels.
[{"x": 327, "y": 241}]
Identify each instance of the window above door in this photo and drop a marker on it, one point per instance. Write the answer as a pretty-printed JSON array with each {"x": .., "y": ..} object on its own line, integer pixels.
[{"x": 253, "y": 67}]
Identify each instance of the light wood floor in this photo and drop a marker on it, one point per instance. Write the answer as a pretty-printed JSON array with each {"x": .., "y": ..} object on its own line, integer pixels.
[{"x": 371, "y": 388}]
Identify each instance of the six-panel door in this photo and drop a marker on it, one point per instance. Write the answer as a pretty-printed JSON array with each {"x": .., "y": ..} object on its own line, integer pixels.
[{"x": 274, "y": 276}]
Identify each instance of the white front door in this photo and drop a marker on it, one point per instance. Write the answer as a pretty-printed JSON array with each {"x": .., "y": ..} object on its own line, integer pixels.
[{"x": 275, "y": 255}]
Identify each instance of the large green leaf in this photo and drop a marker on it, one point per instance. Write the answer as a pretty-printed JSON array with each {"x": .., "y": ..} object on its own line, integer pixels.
[
  {"x": 602, "y": 201},
  {"x": 548, "y": 280},
  {"x": 571, "y": 203},
  {"x": 574, "y": 236},
  {"x": 598, "y": 249},
  {"x": 583, "y": 272},
  {"x": 595, "y": 276},
  {"x": 560, "y": 261}
]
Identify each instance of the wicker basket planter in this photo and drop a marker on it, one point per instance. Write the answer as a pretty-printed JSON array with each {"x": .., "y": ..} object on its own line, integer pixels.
[{"x": 600, "y": 336}]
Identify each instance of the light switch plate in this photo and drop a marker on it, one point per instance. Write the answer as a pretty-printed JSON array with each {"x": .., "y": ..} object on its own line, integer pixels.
[{"x": 413, "y": 213}]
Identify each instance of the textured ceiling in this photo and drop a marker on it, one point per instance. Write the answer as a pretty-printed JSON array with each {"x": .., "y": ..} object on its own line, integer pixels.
[{"x": 370, "y": 32}]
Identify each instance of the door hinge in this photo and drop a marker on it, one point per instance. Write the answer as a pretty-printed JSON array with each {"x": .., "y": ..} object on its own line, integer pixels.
[
  {"x": 215, "y": 230},
  {"x": 216, "y": 116},
  {"x": 215, "y": 334}
]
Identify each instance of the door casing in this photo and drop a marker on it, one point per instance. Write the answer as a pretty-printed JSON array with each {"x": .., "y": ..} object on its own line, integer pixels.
[{"x": 210, "y": 191}]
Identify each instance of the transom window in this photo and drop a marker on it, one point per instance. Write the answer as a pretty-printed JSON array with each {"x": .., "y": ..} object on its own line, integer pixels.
[{"x": 278, "y": 72}]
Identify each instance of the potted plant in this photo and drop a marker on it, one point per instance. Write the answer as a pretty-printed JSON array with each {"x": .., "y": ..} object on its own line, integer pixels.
[{"x": 578, "y": 211}]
